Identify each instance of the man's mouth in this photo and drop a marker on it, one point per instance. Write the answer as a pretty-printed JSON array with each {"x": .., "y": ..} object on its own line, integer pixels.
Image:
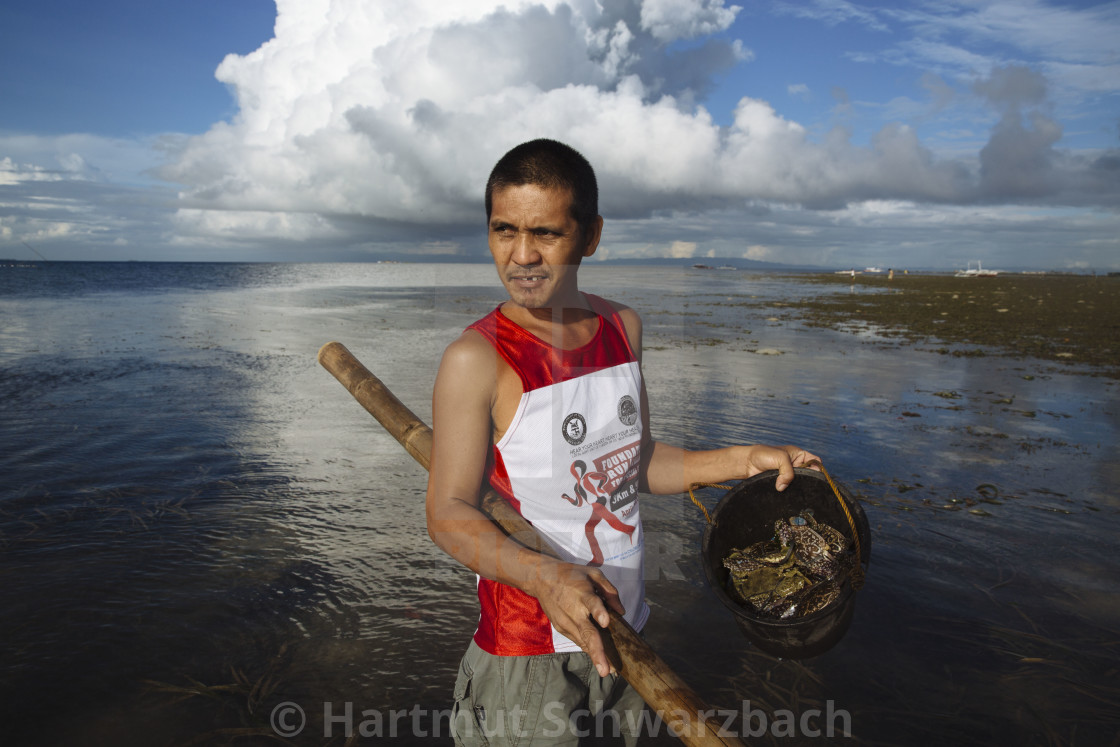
[{"x": 528, "y": 277}]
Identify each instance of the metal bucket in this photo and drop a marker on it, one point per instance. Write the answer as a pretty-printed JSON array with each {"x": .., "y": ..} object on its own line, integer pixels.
[{"x": 746, "y": 515}]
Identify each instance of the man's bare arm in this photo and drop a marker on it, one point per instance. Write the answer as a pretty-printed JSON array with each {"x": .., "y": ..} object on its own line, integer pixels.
[
  {"x": 462, "y": 404},
  {"x": 669, "y": 469}
]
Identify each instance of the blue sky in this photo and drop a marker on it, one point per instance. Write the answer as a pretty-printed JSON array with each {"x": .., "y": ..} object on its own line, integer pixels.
[
  {"x": 825, "y": 132},
  {"x": 118, "y": 68}
]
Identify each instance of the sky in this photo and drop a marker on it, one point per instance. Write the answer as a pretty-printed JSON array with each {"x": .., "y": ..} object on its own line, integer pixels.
[{"x": 826, "y": 133}]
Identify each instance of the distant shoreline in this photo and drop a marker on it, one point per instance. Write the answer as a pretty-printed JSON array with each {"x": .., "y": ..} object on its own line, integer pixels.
[
  {"x": 1068, "y": 319},
  {"x": 713, "y": 264}
]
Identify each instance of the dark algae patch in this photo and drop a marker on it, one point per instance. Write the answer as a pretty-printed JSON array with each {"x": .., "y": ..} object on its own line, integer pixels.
[{"x": 1062, "y": 318}]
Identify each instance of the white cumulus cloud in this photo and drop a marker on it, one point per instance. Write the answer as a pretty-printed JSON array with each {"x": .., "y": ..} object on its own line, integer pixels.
[{"x": 369, "y": 120}]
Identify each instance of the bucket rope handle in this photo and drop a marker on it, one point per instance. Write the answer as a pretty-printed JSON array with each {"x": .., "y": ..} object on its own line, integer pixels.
[
  {"x": 857, "y": 570},
  {"x": 696, "y": 500}
]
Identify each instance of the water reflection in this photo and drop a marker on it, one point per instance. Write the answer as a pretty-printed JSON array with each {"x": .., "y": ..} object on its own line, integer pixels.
[{"x": 192, "y": 499}]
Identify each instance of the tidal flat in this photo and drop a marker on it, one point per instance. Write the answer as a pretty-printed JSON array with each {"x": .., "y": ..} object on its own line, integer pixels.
[
  {"x": 202, "y": 535},
  {"x": 1067, "y": 319}
]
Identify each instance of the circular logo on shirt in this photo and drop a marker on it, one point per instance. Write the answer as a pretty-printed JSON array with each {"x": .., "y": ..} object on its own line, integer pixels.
[
  {"x": 627, "y": 410},
  {"x": 574, "y": 429}
]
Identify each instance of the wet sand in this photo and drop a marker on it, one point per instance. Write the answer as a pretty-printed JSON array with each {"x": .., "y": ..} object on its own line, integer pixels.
[
  {"x": 1067, "y": 319},
  {"x": 201, "y": 531}
]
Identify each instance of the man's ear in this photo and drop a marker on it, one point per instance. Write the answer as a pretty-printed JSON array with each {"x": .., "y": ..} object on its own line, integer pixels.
[{"x": 594, "y": 233}]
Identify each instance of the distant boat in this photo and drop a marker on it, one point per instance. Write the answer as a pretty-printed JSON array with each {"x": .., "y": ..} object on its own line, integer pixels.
[
  {"x": 873, "y": 269},
  {"x": 976, "y": 272}
]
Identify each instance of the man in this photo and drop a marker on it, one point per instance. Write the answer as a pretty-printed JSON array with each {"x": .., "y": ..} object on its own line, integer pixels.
[{"x": 543, "y": 400}]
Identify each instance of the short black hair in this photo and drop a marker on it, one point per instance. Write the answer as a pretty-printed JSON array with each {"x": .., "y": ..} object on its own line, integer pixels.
[{"x": 552, "y": 165}]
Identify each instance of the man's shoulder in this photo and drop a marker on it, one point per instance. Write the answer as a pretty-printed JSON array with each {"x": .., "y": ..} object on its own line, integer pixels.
[
  {"x": 470, "y": 350},
  {"x": 622, "y": 309},
  {"x": 468, "y": 369},
  {"x": 630, "y": 318},
  {"x": 618, "y": 307}
]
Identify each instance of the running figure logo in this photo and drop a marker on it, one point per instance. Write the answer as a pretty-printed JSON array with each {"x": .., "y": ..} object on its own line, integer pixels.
[{"x": 593, "y": 489}]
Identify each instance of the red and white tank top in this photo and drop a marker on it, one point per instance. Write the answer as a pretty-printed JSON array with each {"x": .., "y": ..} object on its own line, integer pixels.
[{"x": 569, "y": 464}]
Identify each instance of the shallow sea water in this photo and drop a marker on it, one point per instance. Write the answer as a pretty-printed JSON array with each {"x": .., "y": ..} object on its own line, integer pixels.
[{"x": 198, "y": 525}]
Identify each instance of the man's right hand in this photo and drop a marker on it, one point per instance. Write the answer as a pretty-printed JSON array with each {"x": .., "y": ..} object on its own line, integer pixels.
[{"x": 573, "y": 596}]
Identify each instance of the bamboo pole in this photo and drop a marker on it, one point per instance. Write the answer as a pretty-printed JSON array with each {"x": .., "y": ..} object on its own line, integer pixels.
[{"x": 686, "y": 715}]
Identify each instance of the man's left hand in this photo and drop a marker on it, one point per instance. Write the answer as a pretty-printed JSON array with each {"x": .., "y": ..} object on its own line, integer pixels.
[{"x": 782, "y": 458}]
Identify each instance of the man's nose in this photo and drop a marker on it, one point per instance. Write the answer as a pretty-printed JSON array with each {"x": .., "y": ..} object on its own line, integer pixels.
[{"x": 525, "y": 249}]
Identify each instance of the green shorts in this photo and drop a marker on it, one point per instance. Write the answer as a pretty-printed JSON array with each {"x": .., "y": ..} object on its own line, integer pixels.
[{"x": 550, "y": 699}]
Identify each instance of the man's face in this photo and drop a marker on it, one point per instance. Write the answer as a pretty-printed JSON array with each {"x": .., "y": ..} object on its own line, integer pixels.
[{"x": 537, "y": 245}]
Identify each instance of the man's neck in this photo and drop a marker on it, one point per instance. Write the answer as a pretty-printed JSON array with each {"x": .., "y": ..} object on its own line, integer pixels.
[{"x": 568, "y": 327}]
